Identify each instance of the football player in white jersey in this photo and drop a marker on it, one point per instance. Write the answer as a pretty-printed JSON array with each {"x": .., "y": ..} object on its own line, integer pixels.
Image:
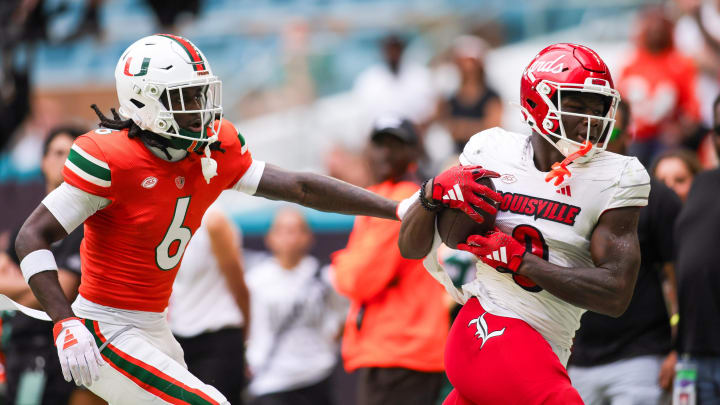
[{"x": 565, "y": 238}]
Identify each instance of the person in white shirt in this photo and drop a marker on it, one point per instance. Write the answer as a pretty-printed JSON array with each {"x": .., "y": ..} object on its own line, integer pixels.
[
  {"x": 396, "y": 86},
  {"x": 210, "y": 304},
  {"x": 297, "y": 317}
]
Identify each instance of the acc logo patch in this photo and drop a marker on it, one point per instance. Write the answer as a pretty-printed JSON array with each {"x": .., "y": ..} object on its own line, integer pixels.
[
  {"x": 180, "y": 181},
  {"x": 149, "y": 182},
  {"x": 508, "y": 178}
]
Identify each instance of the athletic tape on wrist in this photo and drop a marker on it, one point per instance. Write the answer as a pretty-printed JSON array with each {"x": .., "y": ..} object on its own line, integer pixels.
[
  {"x": 405, "y": 204},
  {"x": 36, "y": 262}
]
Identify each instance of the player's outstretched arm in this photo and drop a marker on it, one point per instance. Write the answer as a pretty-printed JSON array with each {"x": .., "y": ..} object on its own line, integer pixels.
[
  {"x": 37, "y": 233},
  {"x": 606, "y": 288},
  {"x": 323, "y": 193}
]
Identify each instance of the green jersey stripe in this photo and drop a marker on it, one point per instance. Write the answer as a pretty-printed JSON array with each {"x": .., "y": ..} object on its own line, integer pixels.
[
  {"x": 143, "y": 375},
  {"x": 85, "y": 176},
  {"x": 88, "y": 166},
  {"x": 90, "y": 157}
]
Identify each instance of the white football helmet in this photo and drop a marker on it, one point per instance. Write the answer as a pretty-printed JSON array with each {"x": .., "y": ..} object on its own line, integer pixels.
[{"x": 156, "y": 67}]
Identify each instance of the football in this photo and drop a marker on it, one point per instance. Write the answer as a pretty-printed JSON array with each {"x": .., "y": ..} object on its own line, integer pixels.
[{"x": 454, "y": 226}]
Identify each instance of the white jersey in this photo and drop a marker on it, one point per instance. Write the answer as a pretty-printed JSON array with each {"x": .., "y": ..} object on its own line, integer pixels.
[
  {"x": 555, "y": 221},
  {"x": 201, "y": 300}
]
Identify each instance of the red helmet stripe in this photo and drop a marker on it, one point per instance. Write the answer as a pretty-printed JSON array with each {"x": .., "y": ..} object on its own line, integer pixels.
[{"x": 198, "y": 63}]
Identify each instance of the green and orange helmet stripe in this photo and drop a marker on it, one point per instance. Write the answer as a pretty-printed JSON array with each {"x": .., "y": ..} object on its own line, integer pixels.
[{"x": 195, "y": 58}]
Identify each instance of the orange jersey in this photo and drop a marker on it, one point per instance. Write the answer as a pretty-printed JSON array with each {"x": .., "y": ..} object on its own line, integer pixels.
[
  {"x": 660, "y": 88},
  {"x": 133, "y": 247}
]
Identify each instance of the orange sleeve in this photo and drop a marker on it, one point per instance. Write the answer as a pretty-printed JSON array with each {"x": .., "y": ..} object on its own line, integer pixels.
[
  {"x": 236, "y": 152},
  {"x": 87, "y": 167},
  {"x": 370, "y": 260}
]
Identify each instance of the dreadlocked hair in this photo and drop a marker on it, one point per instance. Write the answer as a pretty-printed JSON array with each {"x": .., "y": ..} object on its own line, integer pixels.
[{"x": 148, "y": 137}]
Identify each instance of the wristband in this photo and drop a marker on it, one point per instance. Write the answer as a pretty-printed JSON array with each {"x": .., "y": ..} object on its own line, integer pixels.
[
  {"x": 674, "y": 320},
  {"x": 430, "y": 206},
  {"x": 36, "y": 262},
  {"x": 405, "y": 204}
]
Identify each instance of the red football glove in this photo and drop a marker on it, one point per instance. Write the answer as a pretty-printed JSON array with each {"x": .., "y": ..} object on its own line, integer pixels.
[
  {"x": 456, "y": 187},
  {"x": 498, "y": 250}
]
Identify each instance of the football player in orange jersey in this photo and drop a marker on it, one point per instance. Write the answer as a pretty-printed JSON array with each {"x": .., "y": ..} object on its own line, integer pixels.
[{"x": 136, "y": 184}]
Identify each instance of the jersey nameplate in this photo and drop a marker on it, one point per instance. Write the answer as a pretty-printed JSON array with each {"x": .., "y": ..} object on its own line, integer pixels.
[{"x": 542, "y": 208}]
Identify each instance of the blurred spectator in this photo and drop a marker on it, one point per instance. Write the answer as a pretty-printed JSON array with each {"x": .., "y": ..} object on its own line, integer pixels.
[
  {"x": 22, "y": 22},
  {"x": 210, "y": 304},
  {"x": 170, "y": 12},
  {"x": 397, "y": 86},
  {"x": 89, "y": 23},
  {"x": 296, "y": 319},
  {"x": 348, "y": 166},
  {"x": 698, "y": 256},
  {"x": 33, "y": 368},
  {"x": 677, "y": 169},
  {"x": 474, "y": 106},
  {"x": 659, "y": 83},
  {"x": 628, "y": 359},
  {"x": 398, "y": 322},
  {"x": 697, "y": 35}
]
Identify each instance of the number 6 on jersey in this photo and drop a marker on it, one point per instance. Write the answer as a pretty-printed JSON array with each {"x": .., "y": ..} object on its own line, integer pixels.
[{"x": 176, "y": 232}]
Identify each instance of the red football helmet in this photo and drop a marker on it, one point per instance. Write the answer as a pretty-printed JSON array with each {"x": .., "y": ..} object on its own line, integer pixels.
[{"x": 558, "y": 69}]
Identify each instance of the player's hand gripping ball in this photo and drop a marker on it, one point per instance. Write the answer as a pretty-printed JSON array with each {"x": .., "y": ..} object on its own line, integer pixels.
[{"x": 455, "y": 226}]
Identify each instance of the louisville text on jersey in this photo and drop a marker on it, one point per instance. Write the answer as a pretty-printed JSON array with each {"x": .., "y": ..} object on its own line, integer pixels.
[{"x": 539, "y": 208}]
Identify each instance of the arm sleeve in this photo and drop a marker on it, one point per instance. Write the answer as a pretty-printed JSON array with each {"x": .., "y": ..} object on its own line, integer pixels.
[
  {"x": 370, "y": 260},
  {"x": 248, "y": 183},
  {"x": 405, "y": 204},
  {"x": 86, "y": 168},
  {"x": 71, "y": 206},
  {"x": 632, "y": 188}
]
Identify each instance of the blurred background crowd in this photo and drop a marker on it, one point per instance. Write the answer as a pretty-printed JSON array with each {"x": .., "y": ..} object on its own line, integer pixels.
[{"x": 305, "y": 82}]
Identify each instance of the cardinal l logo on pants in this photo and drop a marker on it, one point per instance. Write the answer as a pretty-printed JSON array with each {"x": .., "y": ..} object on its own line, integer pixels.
[{"x": 482, "y": 329}]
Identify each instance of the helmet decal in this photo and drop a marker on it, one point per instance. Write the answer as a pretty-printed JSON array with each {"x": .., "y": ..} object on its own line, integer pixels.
[{"x": 143, "y": 67}]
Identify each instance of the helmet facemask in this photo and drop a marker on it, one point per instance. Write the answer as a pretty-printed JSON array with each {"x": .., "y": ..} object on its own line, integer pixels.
[
  {"x": 598, "y": 125},
  {"x": 190, "y": 114}
]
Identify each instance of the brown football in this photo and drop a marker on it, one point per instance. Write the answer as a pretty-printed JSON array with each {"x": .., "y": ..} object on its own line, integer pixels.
[{"x": 454, "y": 226}]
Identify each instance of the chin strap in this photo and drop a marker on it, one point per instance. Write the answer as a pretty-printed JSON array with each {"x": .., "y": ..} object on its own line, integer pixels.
[
  {"x": 560, "y": 170},
  {"x": 209, "y": 165}
]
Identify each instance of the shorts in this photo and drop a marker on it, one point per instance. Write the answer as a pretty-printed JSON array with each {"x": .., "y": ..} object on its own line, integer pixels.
[{"x": 492, "y": 359}]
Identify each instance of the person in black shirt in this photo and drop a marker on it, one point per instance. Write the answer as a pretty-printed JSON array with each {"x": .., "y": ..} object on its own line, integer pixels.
[
  {"x": 32, "y": 366},
  {"x": 621, "y": 359},
  {"x": 697, "y": 232},
  {"x": 474, "y": 106}
]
